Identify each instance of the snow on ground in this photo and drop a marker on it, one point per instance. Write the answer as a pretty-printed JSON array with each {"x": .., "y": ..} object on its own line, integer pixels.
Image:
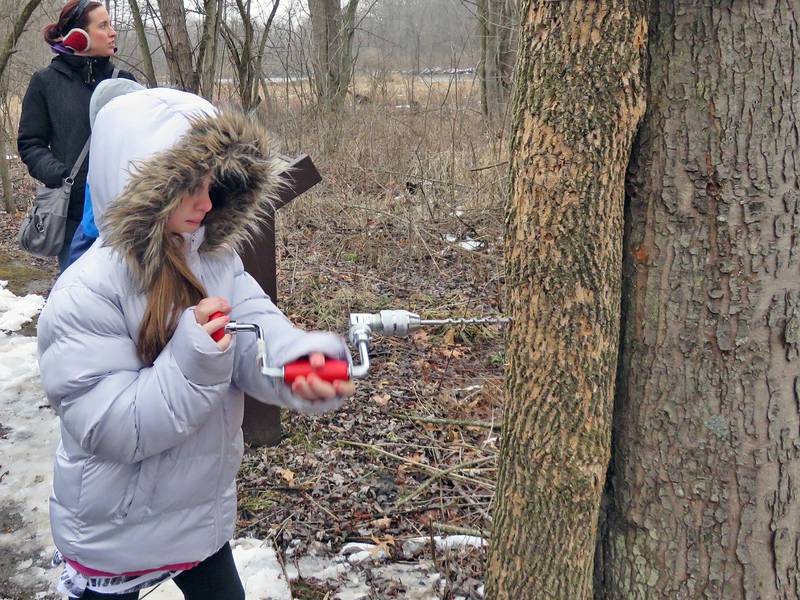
[
  {"x": 28, "y": 437},
  {"x": 467, "y": 243},
  {"x": 15, "y": 311}
]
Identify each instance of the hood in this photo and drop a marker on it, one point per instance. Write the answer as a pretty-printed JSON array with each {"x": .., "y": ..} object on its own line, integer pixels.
[
  {"x": 150, "y": 147},
  {"x": 106, "y": 91}
]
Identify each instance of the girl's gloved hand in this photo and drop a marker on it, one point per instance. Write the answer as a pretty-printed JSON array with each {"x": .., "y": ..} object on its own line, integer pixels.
[
  {"x": 207, "y": 307},
  {"x": 313, "y": 388}
]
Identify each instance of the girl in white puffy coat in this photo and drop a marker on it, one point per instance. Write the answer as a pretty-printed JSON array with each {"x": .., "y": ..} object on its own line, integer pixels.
[{"x": 150, "y": 406}]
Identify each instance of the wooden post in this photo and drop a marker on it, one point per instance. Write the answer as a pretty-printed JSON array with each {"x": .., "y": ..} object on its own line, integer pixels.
[{"x": 262, "y": 422}]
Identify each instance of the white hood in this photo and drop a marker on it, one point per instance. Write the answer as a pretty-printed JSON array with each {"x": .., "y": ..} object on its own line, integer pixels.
[{"x": 130, "y": 129}]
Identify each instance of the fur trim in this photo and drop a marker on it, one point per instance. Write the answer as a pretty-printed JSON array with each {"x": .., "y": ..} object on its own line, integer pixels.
[{"x": 235, "y": 149}]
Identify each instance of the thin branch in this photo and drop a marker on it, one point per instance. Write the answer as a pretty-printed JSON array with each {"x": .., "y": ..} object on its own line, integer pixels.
[{"x": 437, "y": 476}]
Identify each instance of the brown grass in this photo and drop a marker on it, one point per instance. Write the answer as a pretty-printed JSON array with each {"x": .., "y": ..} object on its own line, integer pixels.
[{"x": 397, "y": 182}]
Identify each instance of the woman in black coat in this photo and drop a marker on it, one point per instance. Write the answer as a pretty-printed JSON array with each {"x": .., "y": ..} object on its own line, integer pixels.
[{"x": 54, "y": 124}]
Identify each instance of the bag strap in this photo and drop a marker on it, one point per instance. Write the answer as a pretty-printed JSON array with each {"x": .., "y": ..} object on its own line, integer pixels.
[
  {"x": 82, "y": 156},
  {"x": 79, "y": 162}
]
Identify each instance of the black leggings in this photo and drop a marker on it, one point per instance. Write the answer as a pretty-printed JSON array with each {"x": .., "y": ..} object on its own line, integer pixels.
[{"x": 215, "y": 578}]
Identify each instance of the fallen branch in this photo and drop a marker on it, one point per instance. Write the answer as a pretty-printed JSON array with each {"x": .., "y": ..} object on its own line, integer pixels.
[
  {"x": 322, "y": 508},
  {"x": 424, "y": 467},
  {"x": 459, "y": 422},
  {"x": 444, "y": 528},
  {"x": 500, "y": 164},
  {"x": 446, "y": 473},
  {"x": 472, "y": 502}
]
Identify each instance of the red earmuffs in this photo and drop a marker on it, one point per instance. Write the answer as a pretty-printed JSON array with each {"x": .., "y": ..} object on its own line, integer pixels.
[{"x": 78, "y": 40}]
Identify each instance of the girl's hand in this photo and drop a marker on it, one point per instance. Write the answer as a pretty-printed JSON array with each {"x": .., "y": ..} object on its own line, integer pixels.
[
  {"x": 313, "y": 388},
  {"x": 207, "y": 307}
]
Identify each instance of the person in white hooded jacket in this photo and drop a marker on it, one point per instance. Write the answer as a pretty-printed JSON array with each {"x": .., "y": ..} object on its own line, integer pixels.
[{"x": 150, "y": 405}]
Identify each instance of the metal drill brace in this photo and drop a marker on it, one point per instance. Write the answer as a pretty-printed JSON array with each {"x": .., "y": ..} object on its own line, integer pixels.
[
  {"x": 363, "y": 326},
  {"x": 399, "y": 323}
]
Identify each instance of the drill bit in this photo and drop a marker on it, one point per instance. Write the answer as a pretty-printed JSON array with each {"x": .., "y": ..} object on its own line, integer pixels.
[{"x": 475, "y": 321}]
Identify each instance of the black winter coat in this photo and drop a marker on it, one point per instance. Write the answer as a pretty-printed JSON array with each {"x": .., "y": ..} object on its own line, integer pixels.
[{"x": 54, "y": 124}]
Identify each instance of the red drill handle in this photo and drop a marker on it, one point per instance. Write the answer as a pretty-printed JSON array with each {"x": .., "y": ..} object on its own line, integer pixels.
[
  {"x": 331, "y": 371},
  {"x": 219, "y": 333}
]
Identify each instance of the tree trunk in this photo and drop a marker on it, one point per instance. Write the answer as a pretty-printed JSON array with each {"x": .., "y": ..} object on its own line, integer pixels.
[
  {"x": 8, "y": 193},
  {"x": 257, "y": 77},
  {"x": 207, "y": 52},
  {"x": 247, "y": 61},
  {"x": 332, "y": 30},
  {"x": 498, "y": 24},
  {"x": 144, "y": 46},
  {"x": 578, "y": 100},
  {"x": 16, "y": 30},
  {"x": 178, "y": 49},
  {"x": 6, "y": 51},
  {"x": 485, "y": 73},
  {"x": 705, "y": 501}
]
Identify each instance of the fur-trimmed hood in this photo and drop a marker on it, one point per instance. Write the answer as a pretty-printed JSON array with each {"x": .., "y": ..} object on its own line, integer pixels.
[{"x": 151, "y": 147}]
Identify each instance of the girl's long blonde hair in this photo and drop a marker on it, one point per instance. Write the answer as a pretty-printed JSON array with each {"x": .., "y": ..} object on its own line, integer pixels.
[{"x": 174, "y": 289}]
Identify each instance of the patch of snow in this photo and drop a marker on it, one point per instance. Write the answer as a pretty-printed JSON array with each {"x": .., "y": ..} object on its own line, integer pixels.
[
  {"x": 450, "y": 542},
  {"x": 30, "y": 437},
  {"x": 458, "y": 211},
  {"x": 470, "y": 244},
  {"x": 15, "y": 311},
  {"x": 316, "y": 568},
  {"x": 358, "y": 553},
  {"x": 354, "y": 547},
  {"x": 467, "y": 244},
  {"x": 261, "y": 573}
]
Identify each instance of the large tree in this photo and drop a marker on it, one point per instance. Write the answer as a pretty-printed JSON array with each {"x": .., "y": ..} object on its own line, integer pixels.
[
  {"x": 332, "y": 31},
  {"x": 705, "y": 500},
  {"x": 177, "y": 47},
  {"x": 190, "y": 68},
  {"x": 144, "y": 45},
  {"x": 579, "y": 98}
]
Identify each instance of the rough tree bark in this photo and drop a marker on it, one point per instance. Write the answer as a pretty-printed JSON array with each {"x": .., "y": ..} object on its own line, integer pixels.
[
  {"x": 332, "y": 30},
  {"x": 707, "y": 434},
  {"x": 578, "y": 100},
  {"x": 177, "y": 48},
  {"x": 498, "y": 22}
]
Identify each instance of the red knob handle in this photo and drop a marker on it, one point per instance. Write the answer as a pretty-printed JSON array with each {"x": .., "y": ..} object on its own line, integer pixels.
[
  {"x": 332, "y": 370},
  {"x": 219, "y": 333}
]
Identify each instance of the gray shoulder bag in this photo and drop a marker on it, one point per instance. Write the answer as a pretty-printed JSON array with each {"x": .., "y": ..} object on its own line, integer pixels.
[{"x": 43, "y": 229}]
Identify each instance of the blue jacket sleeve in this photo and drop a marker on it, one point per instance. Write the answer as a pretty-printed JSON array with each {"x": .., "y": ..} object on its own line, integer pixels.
[{"x": 87, "y": 222}]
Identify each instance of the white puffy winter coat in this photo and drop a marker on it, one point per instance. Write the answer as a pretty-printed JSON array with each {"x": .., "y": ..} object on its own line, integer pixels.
[{"x": 144, "y": 474}]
